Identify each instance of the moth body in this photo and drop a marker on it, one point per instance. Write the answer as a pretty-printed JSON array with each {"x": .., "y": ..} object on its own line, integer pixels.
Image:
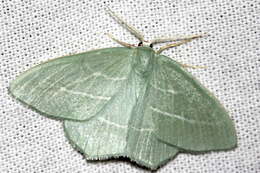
[{"x": 143, "y": 60}]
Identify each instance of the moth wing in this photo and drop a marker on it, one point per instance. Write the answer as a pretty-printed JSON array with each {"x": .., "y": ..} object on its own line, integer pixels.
[
  {"x": 120, "y": 130},
  {"x": 74, "y": 87},
  {"x": 185, "y": 113}
]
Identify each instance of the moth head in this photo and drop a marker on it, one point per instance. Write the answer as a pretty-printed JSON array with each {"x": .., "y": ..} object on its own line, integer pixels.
[{"x": 145, "y": 44}]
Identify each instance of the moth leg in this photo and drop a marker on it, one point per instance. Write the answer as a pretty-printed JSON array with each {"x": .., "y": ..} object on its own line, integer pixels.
[
  {"x": 177, "y": 38},
  {"x": 120, "y": 42},
  {"x": 192, "y": 66},
  {"x": 182, "y": 41},
  {"x": 173, "y": 45},
  {"x": 130, "y": 28}
]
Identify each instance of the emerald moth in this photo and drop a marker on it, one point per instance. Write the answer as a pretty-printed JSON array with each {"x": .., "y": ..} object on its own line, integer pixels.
[{"x": 128, "y": 101}]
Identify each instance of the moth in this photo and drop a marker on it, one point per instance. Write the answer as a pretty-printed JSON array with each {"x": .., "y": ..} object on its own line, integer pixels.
[{"x": 128, "y": 101}]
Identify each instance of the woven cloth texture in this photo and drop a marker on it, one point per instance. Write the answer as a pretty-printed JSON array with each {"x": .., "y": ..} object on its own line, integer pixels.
[{"x": 32, "y": 32}]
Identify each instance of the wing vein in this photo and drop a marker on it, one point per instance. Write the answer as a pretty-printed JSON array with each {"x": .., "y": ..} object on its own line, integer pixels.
[{"x": 85, "y": 94}]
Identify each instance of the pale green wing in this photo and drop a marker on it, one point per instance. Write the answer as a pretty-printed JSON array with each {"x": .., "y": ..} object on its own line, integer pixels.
[
  {"x": 74, "y": 87},
  {"x": 185, "y": 113},
  {"x": 120, "y": 129},
  {"x": 143, "y": 146}
]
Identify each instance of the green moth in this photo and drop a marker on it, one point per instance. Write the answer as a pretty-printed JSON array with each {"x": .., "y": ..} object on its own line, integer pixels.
[{"x": 128, "y": 101}]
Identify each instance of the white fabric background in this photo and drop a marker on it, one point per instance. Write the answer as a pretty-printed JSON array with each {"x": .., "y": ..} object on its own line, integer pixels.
[{"x": 35, "y": 31}]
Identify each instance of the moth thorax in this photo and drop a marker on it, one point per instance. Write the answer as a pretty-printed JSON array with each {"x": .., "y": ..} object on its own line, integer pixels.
[{"x": 143, "y": 60}]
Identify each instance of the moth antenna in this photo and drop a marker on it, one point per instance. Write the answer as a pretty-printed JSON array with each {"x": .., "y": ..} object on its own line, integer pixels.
[{"x": 130, "y": 28}]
